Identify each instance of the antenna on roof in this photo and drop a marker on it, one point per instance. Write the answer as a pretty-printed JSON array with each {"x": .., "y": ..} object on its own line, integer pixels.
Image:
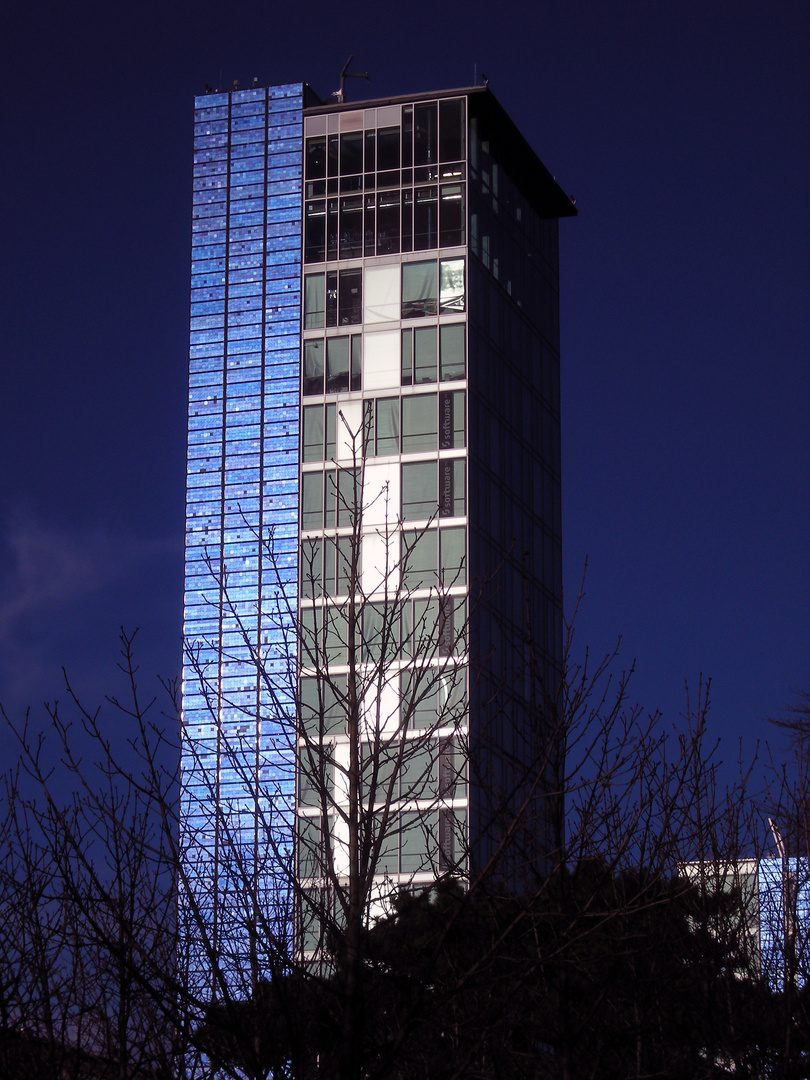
[
  {"x": 780, "y": 843},
  {"x": 340, "y": 94}
]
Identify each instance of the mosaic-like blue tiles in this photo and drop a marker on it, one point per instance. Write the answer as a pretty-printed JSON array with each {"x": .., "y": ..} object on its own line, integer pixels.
[{"x": 241, "y": 575}]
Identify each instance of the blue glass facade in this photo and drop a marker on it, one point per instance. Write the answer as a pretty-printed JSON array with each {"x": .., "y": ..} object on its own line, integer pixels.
[
  {"x": 784, "y": 920},
  {"x": 242, "y": 519}
]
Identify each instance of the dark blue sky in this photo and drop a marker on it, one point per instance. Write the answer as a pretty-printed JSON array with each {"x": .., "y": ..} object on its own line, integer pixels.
[{"x": 683, "y": 130}]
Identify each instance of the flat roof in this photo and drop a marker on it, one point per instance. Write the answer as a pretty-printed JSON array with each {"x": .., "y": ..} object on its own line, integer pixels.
[{"x": 508, "y": 145}]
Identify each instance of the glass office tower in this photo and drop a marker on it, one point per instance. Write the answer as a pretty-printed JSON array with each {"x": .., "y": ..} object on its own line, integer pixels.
[{"x": 373, "y": 503}]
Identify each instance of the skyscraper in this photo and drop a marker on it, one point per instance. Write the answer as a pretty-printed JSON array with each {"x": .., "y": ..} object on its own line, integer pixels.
[{"x": 373, "y": 501}]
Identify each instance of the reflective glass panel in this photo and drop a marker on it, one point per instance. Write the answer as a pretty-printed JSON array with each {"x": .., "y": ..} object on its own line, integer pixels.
[
  {"x": 424, "y": 354},
  {"x": 419, "y": 423},
  {"x": 451, "y": 288},
  {"x": 314, "y": 301},
  {"x": 419, "y": 558},
  {"x": 337, "y": 364},
  {"x": 451, "y": 351},
  {"x": 313, "y": 366},
  {"x": 419, "y": 289},
  {"x": 419, "y": 490},
  {"x": 388, "y": 425}
]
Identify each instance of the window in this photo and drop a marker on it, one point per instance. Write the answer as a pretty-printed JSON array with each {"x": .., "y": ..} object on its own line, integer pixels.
[
  {"x": 338, "y": 553},
  {"x": 315, "y": 779},
  {"x": 452, "y": 215},
  {"x": 336, "y": 636},
  {"x": 369, "y": 231},
  {"x": 453, "y": 696},
  {"x": 452, "y": 132},
  {"x": 387, "y": 425},
  {"x": 417, "y": 842},
  {"x": 316, "y": 158},
  {"x": 419, "y": 355},
  {"x": 418, "y": 559},
  {"x": 397, "y": 770},
  {"x": 318, "y": 439},
  {"x": 356, "y": 363},
  {"x": 451, "y": 285},
  {"x": 388, "y": 221},
  {"x": 424, "y": 354},
  {"x": 409, "y": 845},
  {"x": 351, "y": 153},
  {"x": 323, "y": 636},
  {"x": 337, "y": 364},
  {"x": 407, "y": 220},
  {"x": 417, "y": 775},
  {"x": 419, "y": 491},
  {"x": 314, "y": 301},
  {"x": 368, "y": 428},
  {"x": 342, "y": 498},
  {"x": 312, "y": 439},
  {"x": 310, "y": 634},
  {"x": 331, "y": 225},
  {"x": 343, "y": 366},
  {"x": 380, "y": 632},
  {"x": 309, "y": 927},
  {"x": 310, "y": 847},
  {"x": 315, "y": 232},
  {"x": 419, "y": 693},
  {"x": 369, "y": 152},
  {"x": 419, "y": 289},
  {"x": 453, "y": 556},
  {"x": 312, "y": 500},
  {"x": 425, "y": 133},
  {"x": 330, "y": 498},
  {"x": 313, "y": 366},
  {"x": 332, "y": 155},
  {"x": 419, "y": 423},
  {"x": 397, "y": 188},
  {"x": 336, "y": 297},
  {"x": 350, "y": 296},
  {"x": 433, "y": 696},
  {"x": 425, "y": 219},
  {"x": 451, "y": 352},
  {"x": 388, "y": 148},
  {"x": 378, "y": 771},
  {"x": 421, "y": 627},
  {"x": 311, "y": 568}
]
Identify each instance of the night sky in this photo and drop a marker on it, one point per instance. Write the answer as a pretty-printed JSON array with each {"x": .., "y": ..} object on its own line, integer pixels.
[{"x": 681, "y": 128}]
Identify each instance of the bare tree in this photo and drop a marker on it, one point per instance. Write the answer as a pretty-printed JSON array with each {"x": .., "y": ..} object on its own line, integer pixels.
[
  {"x": 89, "y": 929},
  {"x": 334, "y": 915}
]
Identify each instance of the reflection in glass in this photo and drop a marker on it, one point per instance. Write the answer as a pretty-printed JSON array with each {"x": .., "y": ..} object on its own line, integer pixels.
[
  {"x": 313, "y": 367},
  {"x": 314, "y": 301},
  {"x": 418, "y": 289},
  {"x": 451, "y": 285}
]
